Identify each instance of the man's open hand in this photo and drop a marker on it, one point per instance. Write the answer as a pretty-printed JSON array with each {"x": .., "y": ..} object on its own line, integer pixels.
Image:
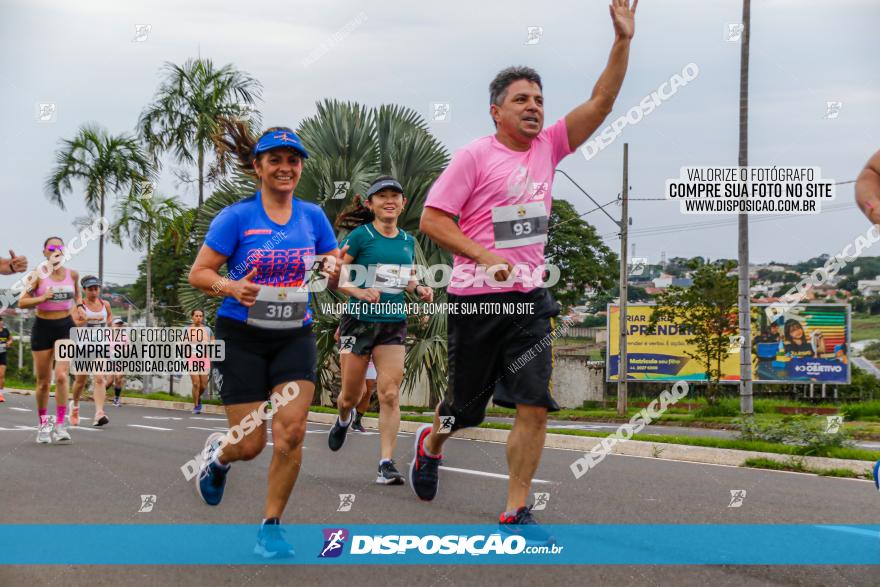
[{"x": 623, "y": 17}]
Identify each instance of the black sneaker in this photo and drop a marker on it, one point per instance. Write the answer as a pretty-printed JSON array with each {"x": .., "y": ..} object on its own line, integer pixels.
[
  {"x": 356, "y": 425},
  {"x": 524, "y": 524},
  {"x": 388, "y": 474},
  {"x": 336, "y": 438},
  {"x": 423, "y": 476}
]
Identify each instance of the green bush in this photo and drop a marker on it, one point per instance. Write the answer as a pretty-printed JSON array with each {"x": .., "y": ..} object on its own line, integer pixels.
[
  {"x": 805, "y": 431},
  {"x": 725, "y": 408},
  {"x": 862, "y": 410},
  {"x": 26, "y": 373},
  {"x": 863, "y": 385}
]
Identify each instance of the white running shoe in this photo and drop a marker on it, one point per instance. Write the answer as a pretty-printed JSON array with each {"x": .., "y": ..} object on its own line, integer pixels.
[
  {"x": 44, "y": 433},
  {"x": 60, "y": 432}
]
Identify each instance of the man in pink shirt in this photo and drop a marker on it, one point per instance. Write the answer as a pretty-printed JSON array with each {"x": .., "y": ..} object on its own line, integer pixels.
[{"x": 499, "y": 188}]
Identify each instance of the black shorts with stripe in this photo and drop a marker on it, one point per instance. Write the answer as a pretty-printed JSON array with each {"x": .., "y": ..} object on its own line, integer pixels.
[{"x": 503, "y": 357}]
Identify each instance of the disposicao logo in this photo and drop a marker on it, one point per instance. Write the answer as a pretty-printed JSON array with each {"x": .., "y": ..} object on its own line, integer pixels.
[{"x": 334, "y": 542}]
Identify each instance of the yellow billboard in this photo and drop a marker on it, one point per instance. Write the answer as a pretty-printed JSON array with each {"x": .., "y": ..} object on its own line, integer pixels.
[{"x": 809, "y": 344}]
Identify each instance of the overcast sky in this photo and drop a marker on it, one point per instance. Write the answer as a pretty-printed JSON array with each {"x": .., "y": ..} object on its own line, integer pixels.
[{"x": 83, "y": 58}]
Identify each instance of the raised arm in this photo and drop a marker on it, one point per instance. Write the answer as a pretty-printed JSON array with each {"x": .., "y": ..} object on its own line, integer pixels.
[{"x": 583, "y": 121}]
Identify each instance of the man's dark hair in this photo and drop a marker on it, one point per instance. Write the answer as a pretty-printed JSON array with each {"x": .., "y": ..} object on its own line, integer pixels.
[{"x": 505, "y": 77}]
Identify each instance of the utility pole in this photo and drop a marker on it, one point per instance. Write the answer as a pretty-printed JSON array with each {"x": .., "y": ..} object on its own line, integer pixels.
[
  {"x": 624, "y": 225},
  {"x": 745, "y": 315}
]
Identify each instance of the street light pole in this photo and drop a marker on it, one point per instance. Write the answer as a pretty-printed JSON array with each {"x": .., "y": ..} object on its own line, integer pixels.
[
  {"x": 622, "y": 364},
  {"x": 745, "y": 314}
]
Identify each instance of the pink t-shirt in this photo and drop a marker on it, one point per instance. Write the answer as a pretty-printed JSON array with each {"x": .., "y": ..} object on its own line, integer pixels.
[{"x": 485, "y": 175}]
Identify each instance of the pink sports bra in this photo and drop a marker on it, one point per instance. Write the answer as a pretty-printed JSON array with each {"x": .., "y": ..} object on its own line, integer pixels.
[{"x": 63, "y": 291}]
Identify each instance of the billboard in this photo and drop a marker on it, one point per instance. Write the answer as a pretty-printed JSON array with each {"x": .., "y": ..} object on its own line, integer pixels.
[{"x": 810, "y": 345}]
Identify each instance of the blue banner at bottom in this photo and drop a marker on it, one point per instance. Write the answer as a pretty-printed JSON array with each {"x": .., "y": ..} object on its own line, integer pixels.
[{"x": 612, "y": 544}]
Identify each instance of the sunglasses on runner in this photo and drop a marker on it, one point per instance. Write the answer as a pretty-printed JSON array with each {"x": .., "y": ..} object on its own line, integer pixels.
[{"x": 55, "y": 248}]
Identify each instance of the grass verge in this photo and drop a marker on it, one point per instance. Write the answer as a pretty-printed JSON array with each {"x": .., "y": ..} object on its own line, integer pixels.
[
  {"x": 857, "y": 454},
  {"x": 797, "y": 465}
]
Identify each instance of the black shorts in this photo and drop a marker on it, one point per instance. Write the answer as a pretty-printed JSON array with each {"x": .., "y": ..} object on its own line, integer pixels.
[
  {"x": 2, "y": 359},
  {"x": 506, "y": 357},
  {"x": 46, "y": 332},
  {"x": 258, "y": 359},
  {"x": 368, "y": 335}
]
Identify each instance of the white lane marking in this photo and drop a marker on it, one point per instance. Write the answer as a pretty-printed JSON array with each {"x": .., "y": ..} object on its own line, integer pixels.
[
  {"x": 89, "y": 428},
  {"x": 209, "y": 419},
  {"x": 161, "y": 418},
  {"x": 207, "y": 429},
  {"x": 150, "y": 427},
  {"x": 17, "y": 429},
  {"x": 20, "y": 409},
  {"x": 485, "y": 474}
]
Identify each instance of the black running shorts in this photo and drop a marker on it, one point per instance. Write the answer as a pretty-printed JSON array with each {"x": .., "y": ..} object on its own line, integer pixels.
[
  {"x": 360, "y": 336},
  {"x": 501, "y": 356},
  {"x": 3, "y": 359},
  {"x": 45, "y": 332},
  {"x": 258, "y": 359}
]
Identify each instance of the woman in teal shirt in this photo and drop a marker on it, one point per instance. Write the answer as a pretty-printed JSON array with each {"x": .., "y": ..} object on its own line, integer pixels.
[{"x": 379, "y": 265}]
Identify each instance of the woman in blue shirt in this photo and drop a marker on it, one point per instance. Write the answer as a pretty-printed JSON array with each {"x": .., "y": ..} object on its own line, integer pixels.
[{"x": 269, "y": 243}]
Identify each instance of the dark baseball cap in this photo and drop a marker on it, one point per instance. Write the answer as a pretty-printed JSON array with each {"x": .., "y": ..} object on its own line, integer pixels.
[
  {"x": 384, "y": 183},
  {"x": 90, "y": 281}
]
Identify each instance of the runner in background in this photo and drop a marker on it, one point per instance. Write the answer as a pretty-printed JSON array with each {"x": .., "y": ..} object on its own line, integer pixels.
[
  {"x": 94, "y": 312},
  {"x": 199, "y": 380},
  {"x": 270, "y": 241},
  {"x": 364, "y": 405},
  {"x": 490, "y": 207},
  {"x": 5, "y": 345},
  {"x": 116, "y": 379},
  {"x": 55, "y": 294},
  {"x": 369, "y": 387}
]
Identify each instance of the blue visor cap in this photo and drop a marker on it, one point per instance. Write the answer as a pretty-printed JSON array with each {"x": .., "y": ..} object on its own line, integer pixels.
[
  {"x": 384, "y": 184},
  {"x": 282, "y": 138}
]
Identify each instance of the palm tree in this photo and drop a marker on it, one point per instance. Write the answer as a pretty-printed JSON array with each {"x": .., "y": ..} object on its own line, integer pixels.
[
  {"x": 142, "y": 219},
  {"x": 107, "y": 164},
  {"x": 183, "y": 116},
  {"x": 349, "y": 142}
]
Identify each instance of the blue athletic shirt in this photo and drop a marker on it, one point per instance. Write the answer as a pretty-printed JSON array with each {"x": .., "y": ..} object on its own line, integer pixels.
[{"x": 282, "y": 253}]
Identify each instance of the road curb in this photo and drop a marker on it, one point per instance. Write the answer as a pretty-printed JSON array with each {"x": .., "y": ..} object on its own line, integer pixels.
[{"x": 636, "y": 448}]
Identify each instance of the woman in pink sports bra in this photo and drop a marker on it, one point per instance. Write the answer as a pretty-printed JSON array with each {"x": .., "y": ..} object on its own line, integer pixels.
[{"x": 54, "y": 290}]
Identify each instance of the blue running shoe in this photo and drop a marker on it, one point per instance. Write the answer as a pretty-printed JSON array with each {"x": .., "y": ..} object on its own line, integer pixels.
[
  {"x": 876, "y": 472},
  {"x": 271, "y": 542},
  {"x": 211, "y": 480},
  {"x": 524, "y": 524}
]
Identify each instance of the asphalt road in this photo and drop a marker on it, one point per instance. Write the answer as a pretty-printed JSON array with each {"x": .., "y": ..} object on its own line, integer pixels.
[{"x": 100, "y": 477}]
